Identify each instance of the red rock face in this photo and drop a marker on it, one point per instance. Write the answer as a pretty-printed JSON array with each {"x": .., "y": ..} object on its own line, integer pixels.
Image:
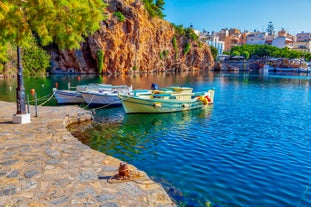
[{"x": 138, "y": 44}]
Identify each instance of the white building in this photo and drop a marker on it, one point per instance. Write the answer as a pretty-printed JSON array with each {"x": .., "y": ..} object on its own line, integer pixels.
[
  {"x": 213, "y": 40},
  {"x": 256, "y": 38},
  {"x": 303, "y": 37},
  {"x": 302, "y": 46},
  {"x": 282, "y": 42}
]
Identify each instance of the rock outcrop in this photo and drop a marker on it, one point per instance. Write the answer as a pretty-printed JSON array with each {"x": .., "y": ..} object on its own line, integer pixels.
[{"x": 137, "y": 44}]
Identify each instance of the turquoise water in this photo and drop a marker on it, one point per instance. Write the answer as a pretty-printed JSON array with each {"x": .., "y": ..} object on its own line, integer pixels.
[{"x": 252, "y": 148}]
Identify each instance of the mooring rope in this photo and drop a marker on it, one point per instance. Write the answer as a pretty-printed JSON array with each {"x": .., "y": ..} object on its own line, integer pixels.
[
  {"x": 101, "y": 107},
  {"x": 48, "y": 99},
  {"x": 115, "y": 179},
  {"x": 90, "y": 102}
]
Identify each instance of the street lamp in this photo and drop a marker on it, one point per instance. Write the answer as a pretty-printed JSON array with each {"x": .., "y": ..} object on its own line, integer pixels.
[{"x": 21, "y": 117}]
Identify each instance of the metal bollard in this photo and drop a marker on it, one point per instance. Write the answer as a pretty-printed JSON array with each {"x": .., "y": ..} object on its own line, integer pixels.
[
  {"x": 36, "y": 107},
  {"x": 28, "y": 104}
]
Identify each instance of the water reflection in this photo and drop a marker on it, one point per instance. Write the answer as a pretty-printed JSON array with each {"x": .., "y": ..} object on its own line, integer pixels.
[{"x": 128, "y": 135}]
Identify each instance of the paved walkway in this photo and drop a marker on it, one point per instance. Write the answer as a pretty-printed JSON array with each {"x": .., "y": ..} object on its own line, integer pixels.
[{"x": 42, "y": 164}]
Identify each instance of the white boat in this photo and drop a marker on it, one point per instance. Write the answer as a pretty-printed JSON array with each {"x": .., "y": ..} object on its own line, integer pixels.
[
  {"x": 75, "y": 97},
  {"x": 167, "y": 100},
  {"x": 107, "y": 95},
  {"x": 68, "y": 96}
]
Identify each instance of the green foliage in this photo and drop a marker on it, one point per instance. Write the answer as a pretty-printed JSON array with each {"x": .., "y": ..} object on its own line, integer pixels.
[
  {"x": 226, "y": 53},
  {"x": 187, "y": 48},
  {"x": 100, "y": 60},
  {"x": 174, "y": 41},
  {"x": 120, "y": 16},
  {"x": 269, "y": 51},
  {"x": 188, "y": 32},
  {"x": 200, "y": 43},
  {"x": 135, "y": 68},
  {"x": 270, "y": 28},
  {"x": 191, "y": 34},
  {"x": 180, "y": 30},
  {"x": 235, "y": 53},
  {"x": 155, "y": 8},
  {"x": 245, "y": 54},
  {"x": 64, "y": 22},
  {"x": 35, "y": 60},
  {"x": 165, "y": 53},
  {"x": 214, "y": 52},
  {"x": 3, "y": 57}
]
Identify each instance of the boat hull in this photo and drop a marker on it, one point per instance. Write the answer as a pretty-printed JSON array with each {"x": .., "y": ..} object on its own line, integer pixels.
[
  {"x": 133, "y": 105},
  {"x": 148, "y": 104},
  {"x": 100, "y": 99},
  {"x": 68, "y": 97}
]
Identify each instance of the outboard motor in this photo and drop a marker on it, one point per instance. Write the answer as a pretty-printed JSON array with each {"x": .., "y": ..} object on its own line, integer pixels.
[{"x": 154, "y": 86}]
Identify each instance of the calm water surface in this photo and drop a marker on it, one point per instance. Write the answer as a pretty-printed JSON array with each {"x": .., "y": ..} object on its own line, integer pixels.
[{"x": 252, "y": 148}]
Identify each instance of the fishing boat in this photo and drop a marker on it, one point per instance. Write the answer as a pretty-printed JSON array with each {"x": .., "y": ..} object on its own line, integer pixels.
[
  {"x": 107, "y": 95},
  {"x": 69, "y": 96},
  {"x": 172, "y": 99},
  {"x": 74, "y": 94}
]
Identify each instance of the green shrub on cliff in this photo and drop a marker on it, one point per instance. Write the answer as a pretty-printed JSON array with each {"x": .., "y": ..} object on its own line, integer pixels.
[
  {"x": 161, "y": 55},
  {"x": 180, "y": 30},
  {"x": 119, "y": 15},
  {"x": 165, "y": 53},
  {"x": 188, "y": 32},
  {"x": 187, "y": 48},
  {"x": 155, "y": 8},
  {"x": 100, "y": 59},
  {"x": 174, "y": 41},
  {"x": 214, "y": 51}
]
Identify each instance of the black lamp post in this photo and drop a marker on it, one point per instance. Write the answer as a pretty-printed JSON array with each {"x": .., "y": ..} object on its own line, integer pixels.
[{"x": 20, "y": 90}]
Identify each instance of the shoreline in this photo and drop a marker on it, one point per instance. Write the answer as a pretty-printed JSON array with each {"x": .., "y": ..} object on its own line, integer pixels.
[{"x": 42, "y": 164}]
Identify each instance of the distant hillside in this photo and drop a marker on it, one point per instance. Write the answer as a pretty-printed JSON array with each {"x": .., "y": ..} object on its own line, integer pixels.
[{"x": 131, "y": 41}]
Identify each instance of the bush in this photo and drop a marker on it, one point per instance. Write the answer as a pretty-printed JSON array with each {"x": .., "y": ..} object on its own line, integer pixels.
[
  {"x": 154, "y": 9},
  {"x": 35, "y": 60},
  {"x": 120, "y": 16},
  {"x": 100, "y": 59},
  {"x": 161, "y": 55},
  {"x": 187, "y": 48},
  {"x": 214, "y": 51},
  {"x": 165, "y": 53},
  {"x": 174, "y": 41}
]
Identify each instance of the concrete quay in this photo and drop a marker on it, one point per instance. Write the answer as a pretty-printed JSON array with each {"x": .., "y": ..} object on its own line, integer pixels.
[{"x": 42, "y": 164}]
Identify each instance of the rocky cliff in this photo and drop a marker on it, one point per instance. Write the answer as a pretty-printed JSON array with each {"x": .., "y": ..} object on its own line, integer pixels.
[{"x": 139, "y": 43}]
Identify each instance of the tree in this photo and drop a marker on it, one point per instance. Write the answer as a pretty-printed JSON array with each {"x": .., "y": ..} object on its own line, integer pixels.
[
  {"x": 64, "y": 22},
  {"x": 59, "y": 21},
  {"x": 160, "y": 5},
  {"x": 214, "y": 52},
  {"x": 270, "y": 28},
  {"x": 155, "y": 8},
  {"x": 35, "y": 59},
  {"x": 235, "y": 53},
  {"x": 245, "y": 54}
]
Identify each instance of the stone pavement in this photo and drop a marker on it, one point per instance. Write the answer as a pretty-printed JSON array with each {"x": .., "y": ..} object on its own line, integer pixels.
[{"x": 42, "y": 164}]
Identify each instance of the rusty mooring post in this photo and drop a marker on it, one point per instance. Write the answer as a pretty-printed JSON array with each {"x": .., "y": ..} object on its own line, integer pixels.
[{"x": 123, "y": 170}]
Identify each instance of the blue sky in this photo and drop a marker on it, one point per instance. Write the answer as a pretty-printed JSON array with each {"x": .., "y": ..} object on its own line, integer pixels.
[{"x": 213, "y": 15}]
